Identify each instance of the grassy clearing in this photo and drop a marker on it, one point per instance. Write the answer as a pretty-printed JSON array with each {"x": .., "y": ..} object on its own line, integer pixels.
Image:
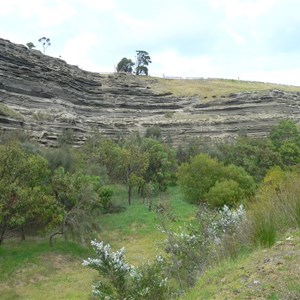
[
  {"x": 263, "y": 274},
  {"x": 136, "y": 227},
  {"x": 32, "y": 270},
  {"x": 51, "y": 277},
  {"x": 211, "y": 88},
  {"x": 15, "y": 254},
  {"x": 137, "y": 219}
]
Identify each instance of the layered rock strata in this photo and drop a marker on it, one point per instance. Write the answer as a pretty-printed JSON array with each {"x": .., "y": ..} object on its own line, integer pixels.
[{"x": 45, "y": 96}]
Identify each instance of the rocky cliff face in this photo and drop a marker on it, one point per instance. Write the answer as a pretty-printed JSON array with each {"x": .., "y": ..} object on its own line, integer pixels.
[{"x": 45, "y": 96}]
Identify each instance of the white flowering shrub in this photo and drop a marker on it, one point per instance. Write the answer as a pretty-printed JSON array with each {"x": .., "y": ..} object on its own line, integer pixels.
[
  {"x": 192, "y": 248},
  {"x": 189, "y": 250},
  {"x": 150, "y": 282},
  {"x": 231, "y": 218},
  {"x": 188, "y": 254},
  {"x": 112, "y": 266},
  {"x": 227, "y": 222},
  {"x": 228, "y": 231},
  {"x": 120, "y": 280}
]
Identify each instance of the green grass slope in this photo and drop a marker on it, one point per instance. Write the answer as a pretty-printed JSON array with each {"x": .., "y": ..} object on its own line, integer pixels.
[
  {"x": 211, "y": 88},
  {"x": 264, "y": 274},
  {"x": 32, "y": 270}
]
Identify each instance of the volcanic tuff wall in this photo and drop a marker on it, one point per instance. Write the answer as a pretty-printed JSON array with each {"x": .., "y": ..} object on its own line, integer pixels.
[{"x": 45, "y": 95}]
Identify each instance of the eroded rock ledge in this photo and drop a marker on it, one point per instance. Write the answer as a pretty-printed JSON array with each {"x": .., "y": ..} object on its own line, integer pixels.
[{"x": 45, "y": 95}]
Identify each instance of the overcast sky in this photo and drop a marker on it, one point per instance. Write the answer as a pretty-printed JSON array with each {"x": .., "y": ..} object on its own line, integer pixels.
[{"x": 246, "y": 39}]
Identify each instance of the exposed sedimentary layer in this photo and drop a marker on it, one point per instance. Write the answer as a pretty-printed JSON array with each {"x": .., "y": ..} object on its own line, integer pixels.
[{"x": 45, "y": 95}]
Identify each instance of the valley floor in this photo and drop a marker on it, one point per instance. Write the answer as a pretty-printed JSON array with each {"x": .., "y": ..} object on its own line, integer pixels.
[{"x": 33, "y": 270}]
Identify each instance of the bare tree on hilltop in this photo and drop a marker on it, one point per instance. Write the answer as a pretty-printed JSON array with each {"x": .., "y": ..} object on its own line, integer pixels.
[{"x": 45, "y": 43}]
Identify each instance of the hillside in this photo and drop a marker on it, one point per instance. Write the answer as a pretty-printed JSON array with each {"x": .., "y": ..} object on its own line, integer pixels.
[
  {"x": 33, "y": 270},
  {"x": 44, "y": 96},
  {"x": 264, "y": 274},
  {"x": 52, "y": 274}
]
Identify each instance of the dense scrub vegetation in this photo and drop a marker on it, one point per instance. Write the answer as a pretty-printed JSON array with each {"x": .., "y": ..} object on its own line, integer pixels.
[
  {"x": 64, "y": 189},
  {"x": 245, "y": 194}
]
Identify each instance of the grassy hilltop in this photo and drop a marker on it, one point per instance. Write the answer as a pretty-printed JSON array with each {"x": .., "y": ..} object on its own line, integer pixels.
[{"x": 211, "y": 88}]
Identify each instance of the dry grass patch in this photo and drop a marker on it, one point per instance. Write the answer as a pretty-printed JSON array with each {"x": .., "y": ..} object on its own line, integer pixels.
[
  {"x": 211, "y": 88},
  {"x": 53, "y": 276}
]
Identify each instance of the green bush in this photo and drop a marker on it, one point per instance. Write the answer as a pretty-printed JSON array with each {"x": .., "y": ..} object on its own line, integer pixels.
[
  {"x": 255, "y": 155},
  {"x": 226, "y": 192},
  {"x": 105, "y": 194},
  {"x": 290, "y": 153},
  {"x": 198, "y": 177},
  {"x": 285, "y": 131},
  {"x": 277, "y": 206}
]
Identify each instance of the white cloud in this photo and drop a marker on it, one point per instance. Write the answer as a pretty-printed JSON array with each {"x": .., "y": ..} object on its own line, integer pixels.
[
  {"x": 244, "y": 8},
  {"x": 170, "y": 63},
  {"x": 238, "y": 38},
  {"x": 99, "y": 5},
  {"x": 168, "y": 20},
  {"x": 76, "y": 50},
  {"x": 48, "y": 13},
  {"x": 56, "y": 14},
  {"x": 287, "y": 76}
]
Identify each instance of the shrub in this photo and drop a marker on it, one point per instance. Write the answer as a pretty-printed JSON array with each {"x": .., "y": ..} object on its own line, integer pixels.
[
  {"x": 255, "y": 155},
  {"x": 119, "y": 280},
  {"x": 198, "y": 176},
  {"x": 277, "y": 206},
  {"x": 290, "y": 153},
  {"x": 201, "y": 181},
  {"x": 244, "y": 180},
  {"x": 285, "y": 131},
  {"x": 189, "y": 254},
  {"x": 105, "y": 194},
  {"x": 227, "y": 231},
  {"x": 115, "y": 270},
  {"x": 192, "y": 248},
  {"x": 226, "y": 192},
  {"x": 227, "y": 222},
  {"x": 150, "y": 281}
]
